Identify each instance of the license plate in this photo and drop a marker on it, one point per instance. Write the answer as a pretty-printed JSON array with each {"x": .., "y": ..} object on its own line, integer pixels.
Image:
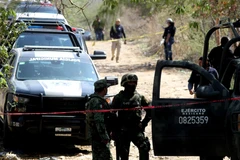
[
  {"x": 63, "y": 129},
  {"x": 63, "y": 135}
]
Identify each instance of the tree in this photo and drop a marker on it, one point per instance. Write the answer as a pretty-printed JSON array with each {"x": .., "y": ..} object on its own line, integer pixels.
[{"x": 9, "y": 32}]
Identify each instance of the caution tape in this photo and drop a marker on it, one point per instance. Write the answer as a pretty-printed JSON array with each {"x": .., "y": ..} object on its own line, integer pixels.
[
  {"x": 181, "y": 29},
  {"x": 125, "y": 109}
]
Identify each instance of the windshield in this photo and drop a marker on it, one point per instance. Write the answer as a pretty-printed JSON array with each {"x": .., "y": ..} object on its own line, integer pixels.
[
  {"x": 43, "y": 39},
  {"x": 52, "y": 68},
  {"x": 37, "y": 8}
]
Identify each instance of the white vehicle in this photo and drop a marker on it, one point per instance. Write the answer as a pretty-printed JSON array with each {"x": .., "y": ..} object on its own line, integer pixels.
[{"x": 39, "y": 11}]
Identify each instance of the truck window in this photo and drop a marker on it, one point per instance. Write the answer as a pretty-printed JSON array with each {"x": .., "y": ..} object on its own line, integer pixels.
[{"x": 174, "y": 83}]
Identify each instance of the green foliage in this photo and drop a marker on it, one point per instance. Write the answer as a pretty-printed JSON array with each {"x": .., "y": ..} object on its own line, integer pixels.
[
  {"x": 180, "y": 10},
  {"x": 194, "y": 25},
  {"x": 8, "y": 34}
]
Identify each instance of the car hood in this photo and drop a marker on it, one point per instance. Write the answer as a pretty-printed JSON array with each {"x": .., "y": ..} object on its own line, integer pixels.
[{"x": 54, "y": 88}]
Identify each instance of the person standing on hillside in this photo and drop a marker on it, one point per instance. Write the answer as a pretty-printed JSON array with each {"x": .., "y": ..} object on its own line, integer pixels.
[
  {"x": 116, "y": 34},
  {"x": 168, "y": 36},
  {"x": 98, "y": 27}
]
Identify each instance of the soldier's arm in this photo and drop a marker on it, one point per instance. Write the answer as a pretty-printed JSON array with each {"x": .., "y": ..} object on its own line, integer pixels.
[
  {"x": 148, "y": 115},
  {"x": 99, "y": 121},
  {"x": 116, "y": 102},
  {"x": 191, "y": 82}
]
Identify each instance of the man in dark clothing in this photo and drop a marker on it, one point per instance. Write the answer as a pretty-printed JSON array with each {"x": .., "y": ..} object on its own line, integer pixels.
[
  {"x": 215, "y": 55},
  {"x": 98, "y": 27},
  {"x": 168, "y": 37},
  {"x": 116, "y": 34},
  {"x": 130, "y": 124},
  {"x": 194, "y": 79}
]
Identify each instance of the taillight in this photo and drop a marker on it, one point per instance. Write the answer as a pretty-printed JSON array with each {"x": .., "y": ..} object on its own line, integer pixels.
[
  {"x": 74, "y": 29},
  {"x": 46, "y": 3},
  {"x": 60, "y": 28}
]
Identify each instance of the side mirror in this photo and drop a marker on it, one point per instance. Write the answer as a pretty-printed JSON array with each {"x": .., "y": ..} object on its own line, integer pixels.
[
  {"x": 98, "y": 55},
  {"x": 112, "y": 80},
  {"x": 206, "y": 91}
]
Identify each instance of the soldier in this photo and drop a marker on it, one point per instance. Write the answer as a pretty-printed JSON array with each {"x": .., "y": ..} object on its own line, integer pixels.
[
  {"x": 96, "y": 121},
  {"x": 130, "y": 124}
]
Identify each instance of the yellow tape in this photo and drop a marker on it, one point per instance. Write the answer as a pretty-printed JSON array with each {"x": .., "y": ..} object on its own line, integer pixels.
[{"x": 147, "y": 35}]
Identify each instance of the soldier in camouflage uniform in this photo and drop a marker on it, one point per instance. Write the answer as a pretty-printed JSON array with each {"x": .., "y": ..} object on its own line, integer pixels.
[
  {"x": 130, "y": 123},
  {"x": 96, "y": 121}
]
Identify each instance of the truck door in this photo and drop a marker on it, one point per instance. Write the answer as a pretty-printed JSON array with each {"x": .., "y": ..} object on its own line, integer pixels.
[
  {"x": 184, "y": 125},
  {"x": 232, "y": 80}
]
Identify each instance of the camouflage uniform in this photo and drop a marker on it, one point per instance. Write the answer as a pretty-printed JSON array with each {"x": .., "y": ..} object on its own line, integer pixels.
[
  {"x": 128, "y": 122},
  {"x": 97, "y": 128}
]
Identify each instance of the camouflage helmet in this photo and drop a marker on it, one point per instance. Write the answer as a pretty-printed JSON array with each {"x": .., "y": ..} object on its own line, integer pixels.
[
  {"x": 100, "y": 84},
  {"x": 128, "y": 78}
]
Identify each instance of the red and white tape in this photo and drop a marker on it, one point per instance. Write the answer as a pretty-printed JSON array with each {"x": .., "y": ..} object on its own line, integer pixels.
[{"x": 122, "y": 109}]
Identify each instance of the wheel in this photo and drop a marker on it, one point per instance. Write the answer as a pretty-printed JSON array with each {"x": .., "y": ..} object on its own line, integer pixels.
[{"x": 7, "y": 135}]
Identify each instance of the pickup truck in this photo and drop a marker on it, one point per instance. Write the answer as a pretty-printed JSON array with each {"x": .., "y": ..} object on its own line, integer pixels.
[{"x": 208, "y": 125}]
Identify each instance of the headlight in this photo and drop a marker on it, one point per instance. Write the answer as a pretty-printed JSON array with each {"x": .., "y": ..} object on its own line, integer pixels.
[{"x": 19, "y": 99}]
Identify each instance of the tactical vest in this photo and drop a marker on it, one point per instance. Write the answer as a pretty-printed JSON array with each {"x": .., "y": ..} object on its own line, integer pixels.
[{"x": 130, "y": 117}]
